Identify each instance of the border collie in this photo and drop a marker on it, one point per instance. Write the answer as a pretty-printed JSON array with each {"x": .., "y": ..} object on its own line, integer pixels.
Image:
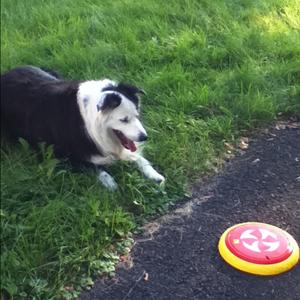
[{"x": 87, "y": 121}]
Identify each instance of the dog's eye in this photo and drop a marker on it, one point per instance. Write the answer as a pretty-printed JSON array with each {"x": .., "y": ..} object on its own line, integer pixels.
[{"x": 125, "y": 120}]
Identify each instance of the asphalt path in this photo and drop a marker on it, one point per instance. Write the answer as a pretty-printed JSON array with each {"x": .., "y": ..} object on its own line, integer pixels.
[{"x": 177, "y": 256}]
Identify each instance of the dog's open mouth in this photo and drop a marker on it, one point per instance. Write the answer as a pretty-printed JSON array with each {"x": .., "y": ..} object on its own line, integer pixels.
[{"x": 127, "y": 143}]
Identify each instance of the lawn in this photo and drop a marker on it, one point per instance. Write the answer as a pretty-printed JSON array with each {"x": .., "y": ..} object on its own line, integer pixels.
[{"x": 213, "y": 71}]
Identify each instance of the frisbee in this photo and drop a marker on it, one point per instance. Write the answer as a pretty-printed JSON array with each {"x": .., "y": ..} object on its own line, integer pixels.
[{"x": 259, "y": 248}]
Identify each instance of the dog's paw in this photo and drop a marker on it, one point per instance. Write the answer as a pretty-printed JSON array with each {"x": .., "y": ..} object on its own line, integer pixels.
[
  {"x": 107, "y": 181},
  {"x": 149, "y": 172},
  {"x": 158, "y": 178}
]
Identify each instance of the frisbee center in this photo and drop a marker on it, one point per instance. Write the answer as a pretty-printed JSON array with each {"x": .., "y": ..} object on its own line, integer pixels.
[{"x": 258, "y": 244}]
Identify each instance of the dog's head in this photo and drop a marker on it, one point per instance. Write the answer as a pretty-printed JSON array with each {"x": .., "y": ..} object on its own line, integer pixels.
[{"x": 119, "y": 109}]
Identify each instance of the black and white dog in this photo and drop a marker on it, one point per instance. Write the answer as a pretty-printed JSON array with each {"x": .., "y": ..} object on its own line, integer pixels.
[{"x": 90, "y": 121}]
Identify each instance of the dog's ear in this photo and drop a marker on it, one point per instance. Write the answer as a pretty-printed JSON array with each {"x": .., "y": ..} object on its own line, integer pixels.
[
  {"x": 141, "y": 91},
  {"x": 110, "y": 101},
  {"x": 130, "y": 89}
]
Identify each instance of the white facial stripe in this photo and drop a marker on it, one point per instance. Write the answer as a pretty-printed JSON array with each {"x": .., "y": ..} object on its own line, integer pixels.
[{"x": 125, "y": 109}]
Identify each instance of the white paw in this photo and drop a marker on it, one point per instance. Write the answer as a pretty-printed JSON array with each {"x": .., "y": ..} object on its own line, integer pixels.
[
  {"x": 108, "y": 181},
  {"x": 159, "y": 179},
  {"x": 154, "y": 175}
]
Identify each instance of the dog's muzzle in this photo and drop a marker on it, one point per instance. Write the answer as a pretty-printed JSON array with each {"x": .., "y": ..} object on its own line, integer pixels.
[{"x": 126, "y": 142}]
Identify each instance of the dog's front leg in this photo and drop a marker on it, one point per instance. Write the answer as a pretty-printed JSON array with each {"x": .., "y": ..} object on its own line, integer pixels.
[
  {"x": 146, "y": 168},
  {"x": 107, "y": 180}
]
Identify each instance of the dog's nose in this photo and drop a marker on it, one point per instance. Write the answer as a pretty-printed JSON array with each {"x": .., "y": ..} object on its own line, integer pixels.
[{"x": 142, "y": 137}]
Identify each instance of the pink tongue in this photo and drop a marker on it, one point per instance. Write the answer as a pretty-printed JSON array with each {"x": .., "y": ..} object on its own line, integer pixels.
[
  {"x": 131, "y": 146},
  {"x": 127, "y": 143}
]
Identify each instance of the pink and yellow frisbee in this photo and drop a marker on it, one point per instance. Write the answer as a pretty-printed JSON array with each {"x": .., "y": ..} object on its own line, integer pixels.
[{"x": 259, "y": 248}]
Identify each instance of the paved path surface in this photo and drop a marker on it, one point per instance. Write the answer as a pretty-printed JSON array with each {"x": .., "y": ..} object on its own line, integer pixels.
[{"x": 179, "y": 251}]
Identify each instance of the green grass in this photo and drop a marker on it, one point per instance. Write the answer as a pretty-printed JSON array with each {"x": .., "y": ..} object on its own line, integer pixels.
[{"x": 213, "y": 70}]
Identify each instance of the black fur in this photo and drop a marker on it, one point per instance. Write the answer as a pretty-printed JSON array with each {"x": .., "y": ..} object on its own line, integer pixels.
[
  {"x": 130, "y": 91},
  {"x": 51, "y": 72},
  {"x": 42, "y": 108},
  {"x": 111, "y": 101}
]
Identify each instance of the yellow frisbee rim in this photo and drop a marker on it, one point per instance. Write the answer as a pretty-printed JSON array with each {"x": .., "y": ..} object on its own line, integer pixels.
[{"x": 259, "y": 269}]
